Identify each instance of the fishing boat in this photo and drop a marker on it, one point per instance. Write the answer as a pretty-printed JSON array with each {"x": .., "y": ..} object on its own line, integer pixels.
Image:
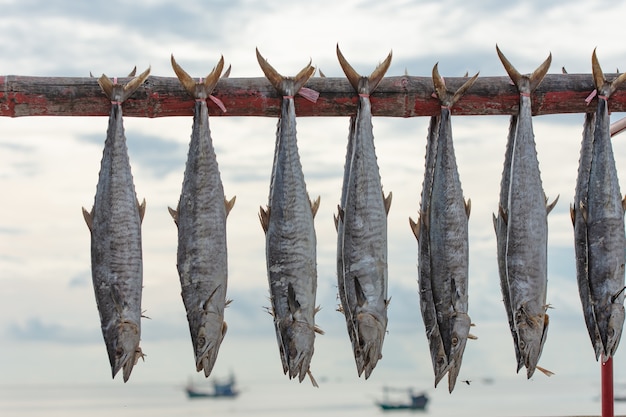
[
  {"x": 221, "y": 389},
  {"x": 415, "y": 401}
]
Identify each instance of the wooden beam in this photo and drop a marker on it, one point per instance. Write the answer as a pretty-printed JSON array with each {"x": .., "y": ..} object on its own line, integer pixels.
[{"x": 398, "y": 96}]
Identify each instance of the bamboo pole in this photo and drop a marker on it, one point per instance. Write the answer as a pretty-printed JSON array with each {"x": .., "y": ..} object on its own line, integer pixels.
[{"x": 397, "y": 96}]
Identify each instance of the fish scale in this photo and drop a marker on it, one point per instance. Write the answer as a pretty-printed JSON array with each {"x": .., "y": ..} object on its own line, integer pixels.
[{"x": 115, "y": 226}]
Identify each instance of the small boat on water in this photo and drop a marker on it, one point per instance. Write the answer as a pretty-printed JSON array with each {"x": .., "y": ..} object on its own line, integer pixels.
[
  {"x": 415, "y": 401},
  {"x": 221, "y": 389}
]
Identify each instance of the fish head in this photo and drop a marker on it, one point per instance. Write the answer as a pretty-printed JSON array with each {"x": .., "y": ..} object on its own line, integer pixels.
[
  {"x": 371, "y": 332},
  {"x": 460, "y": 330},
  {"x": 614, "y": 332},
  {"x": 298, "y": 338},
  {"x": 207, "y": 343},
  {"x": 531, "y": 331},
  {"x": 127, "y": 351}
]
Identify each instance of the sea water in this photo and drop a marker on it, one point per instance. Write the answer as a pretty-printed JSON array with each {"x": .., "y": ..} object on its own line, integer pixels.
[{"x": 499, "y": 397}]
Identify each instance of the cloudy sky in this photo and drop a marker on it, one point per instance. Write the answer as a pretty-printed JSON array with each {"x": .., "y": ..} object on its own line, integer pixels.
[{"x": 49, "y": 326}]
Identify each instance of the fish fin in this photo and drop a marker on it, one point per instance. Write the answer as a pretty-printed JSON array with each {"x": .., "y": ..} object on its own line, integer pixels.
[
  {"x": 88, "y": 216},
  {"x": 510, "y": 69},
  {"x": 415, "y": 227},
  {"x": 495, "y": 222},
  {"x": 205, "y": 304},
  {"x": 340, "y": 309},
  {"x": 550, "y": 206},
  {"x": 351, "y": 74},
  {"x": 468, "y": 207},
  {"x": 134, "y": 84},
  {"x": 315, "y": 205},
  {"x": 377, "y": 75},
  {"x": 206, "y": 87},
  {"x": 313, "y": 381},
  {"x": 338, "y": 217},
  {"x": 292, "y": 302},
  {"x": 544, "y": 371},
  {"x": 387, "y": 201},
  {"x": 264, "y": 216},
  {"x": 502, "y": 213},
  {"x": 317, "y": 330},
  {"x": 572, "y": 214},
  {"x": 185, "y": 79},
  {"x": 354, "y": 78},
  {"x": 463, "y": 89},
  {"x": 472, "y": 337},
  {"x": 537, "y": 76},
  {"x": 213, "y": 77},
  {"x": 270, "y": 73},
  {"x": 624, "y": 203},
  {"x": 360, "y": 294},
  {"x": 303, "y": 76},
  {"x": 174, "y": 214},
  {"x": 446, "y": 98},
  {"x": 133, "y": 72},
  {"x": 229, "y": 204},
  {"x": 563, "y": 70},
  {"x": 106, "y": 85},
  {"x": 142, "y": 209},
  {"x": 617, "y": 294}
]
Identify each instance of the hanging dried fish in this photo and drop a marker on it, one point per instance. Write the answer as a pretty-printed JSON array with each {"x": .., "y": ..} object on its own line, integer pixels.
[
  {"x": 522, "y": 229},
  {"x": 598, "y": 217},
  {"x": 442, "y": 234},
  {"x": 290, "y": 236},
  {"x": 201, "y": 220},
  {"x": 362, "y": 230},
  {"x": 115, "y": 225}
]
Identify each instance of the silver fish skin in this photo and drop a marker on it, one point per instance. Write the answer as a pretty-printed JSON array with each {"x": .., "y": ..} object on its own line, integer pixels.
[
  {"x": 290, "y": 237},
  {"x": 448, "y": 236},
  {"x": 526, "y": 241},
  {"x": 499, "y": 223},
  {"x": 200, "y": 216},
  {"x": 604, "y": 217},
  {"x": 581, "y": 244},
  {"x": 438, "y": 355},
  {"x": 362, "y": 232},
  {"x": 116, "y": 254}
]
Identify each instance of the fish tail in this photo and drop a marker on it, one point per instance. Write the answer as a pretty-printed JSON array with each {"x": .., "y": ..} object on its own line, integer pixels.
[
  {"x": 604, "y": 87},
  {"x": 277, "y": 80},
  {"x": 127, "y": 90},
  {"x": 201, "y": 89},
  {"x": 535, "y": 78},
  {"x": 445, "y": 97},
  {"x": 354, "y": 78}
]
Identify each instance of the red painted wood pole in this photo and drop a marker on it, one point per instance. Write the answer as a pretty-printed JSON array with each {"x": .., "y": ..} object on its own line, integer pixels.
[{"x": 607, "y": 388}]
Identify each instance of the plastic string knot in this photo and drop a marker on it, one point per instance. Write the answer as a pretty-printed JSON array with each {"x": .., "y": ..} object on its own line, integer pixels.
[{"x": 524, "y": 94}]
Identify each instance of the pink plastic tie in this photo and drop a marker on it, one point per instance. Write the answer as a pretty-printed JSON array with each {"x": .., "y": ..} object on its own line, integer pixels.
[
  {"x": 591, "y": 96},
  {"x": 309, "y": 94},
  {"x": 524, "y": 94},
  {"x": 218, "y": 102}
]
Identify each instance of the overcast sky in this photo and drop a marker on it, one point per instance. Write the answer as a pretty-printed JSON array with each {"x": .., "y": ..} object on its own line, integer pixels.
[{"x": 49, "y": 325}]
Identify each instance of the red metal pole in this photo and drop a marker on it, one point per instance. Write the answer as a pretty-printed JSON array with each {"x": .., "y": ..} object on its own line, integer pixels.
[{"x": 607, "y": 388}]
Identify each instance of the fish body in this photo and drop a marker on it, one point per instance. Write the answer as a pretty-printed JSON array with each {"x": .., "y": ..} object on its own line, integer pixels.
[
  {"x": 598, "y": 217},
  {"x": 420, "y": 230},
  {"x": 522, "y": 230},
  {"x": 116, "y": 253},
  {"x": 290, "y": 237},
  {"x": 362, "y": 232},
  {"x": 201, "y": 220},
  {"x": 445, "y": 239}
]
